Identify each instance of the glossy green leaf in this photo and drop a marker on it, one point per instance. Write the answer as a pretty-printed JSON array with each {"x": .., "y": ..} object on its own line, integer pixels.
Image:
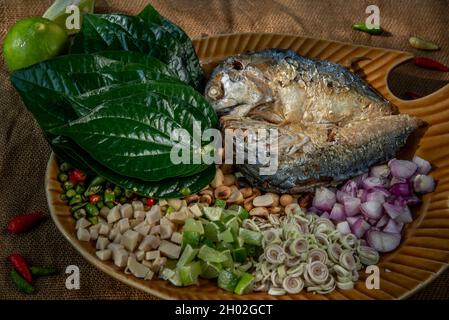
[
  {"x": 177, "y": 93},
  {"x": 122, "y": 32},
  {"x": 134, "y": 139},
  {"x": 150, "y": 15},
  {"x": 44, "y": 87},
  {"x": 168, "y": 188}
]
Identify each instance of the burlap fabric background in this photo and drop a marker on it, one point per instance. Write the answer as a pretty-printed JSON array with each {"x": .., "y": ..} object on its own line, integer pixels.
[{"x": 24, "y": 153}]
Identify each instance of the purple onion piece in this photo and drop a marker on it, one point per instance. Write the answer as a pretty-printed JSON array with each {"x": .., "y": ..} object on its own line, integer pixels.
[
  {"x": 382, "y": 171},
  {"x": 371, "y": 209},
  {"x": 383, "y": 241},
  {"x": 405, "y": 216},
  {"x": 324, "y": 199},
  {"x": 382, "y": 221},
  {"x": 343, "y": 227},
  {"x": 361, "y": 194},
  {"x": 372, "y": 182},
  {"x": 340, "y": 195},
  {"x": 350, "y": 187},
  {"x": 423, "y": 183},
  {"x": 352, "y": 206},
  {"x": 424, "y": 166},
  {"x": 338, "y": 213},
  {"x": 375, "y": 195},
  {"x": 325, "y": 215},
  {"x": 401, "y": 189},
  {"x": 393, "y": 210},
  {"x": 352, "y": 220},
  {"x": 393, "y": 226},
  {"x": 360, "y": 227},
  {"x": 402, "y": 168}
]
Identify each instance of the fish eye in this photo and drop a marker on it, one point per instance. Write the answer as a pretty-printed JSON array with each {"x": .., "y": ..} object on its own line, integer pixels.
[
  {"x": 215, "y": 92},
  {"x": 237, "y": 65}
]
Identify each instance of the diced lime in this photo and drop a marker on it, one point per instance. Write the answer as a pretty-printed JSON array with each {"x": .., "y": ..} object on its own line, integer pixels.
[
  {"x": 233, "y": 224},
  {"x": 239, "y": 255},
  {"x": 212, "y": 229},
  {"x": 191, "y": 238},
  {"x": 226, "y": 236},
  {"x": 209, "y": 243},
  {"x": 208, "y": 254},
  {"x": 223, "y": 246},
  {"x": 212, "y": 213},
  {"x": 241, "y": 212},
  {"x": 239, "y": 241},
  {"x": 245, "y": 284},
  {"x": 189, "y": 273},
  {"x": 175, "y": 279},
  {"x": 187, "y": 255},
  {"x": 227, "y": 215},
  {"x": 229, "y": 262},
  {"x": 32, "y": 40},
  {"x": 193, "y": 225},
  {"x": 220, "y": 203},
  {"x": 227, "y": 280},
  {"x": 57, "y": 12},
  {"x": 167, "y": 273},
  {"x": 210, "y": 270},
  {"x": 251, "y": 237}
]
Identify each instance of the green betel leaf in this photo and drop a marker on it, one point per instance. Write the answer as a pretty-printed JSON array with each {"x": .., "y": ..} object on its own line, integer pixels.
[
  {"x": 134, "y": 139},
  {"x": 44, "y": 87},
  {"x": 150, "y": 15},
  {"x": 177, "y": 93},
  {"x": 167, "y": 188},
  {"x": 122, "y": 32}
]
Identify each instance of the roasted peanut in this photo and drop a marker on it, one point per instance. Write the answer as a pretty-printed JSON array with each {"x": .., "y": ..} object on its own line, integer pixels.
[
  {"x": 274, "y": 210},
  {"x": 206, "y": 198},
  {"x": 285, "y": 200},
  {"x": 229, "y": 180},
  {"x": 246, "y": 192},
  {"x": 236, "y": 196},
  {"x": 256, "y": 192},
  {"x": 263, "y": 201},
  {"x": 259, "y": 211},
  {"x": 192, "y": 198},
  {"x": 218, "y": 179},
  {"x": 248, "y": 206},
  {"x": 222, "y": 192}
]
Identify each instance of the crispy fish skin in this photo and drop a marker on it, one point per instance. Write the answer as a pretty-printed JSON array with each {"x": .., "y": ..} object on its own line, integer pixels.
[{"x": 332, "y": 125}]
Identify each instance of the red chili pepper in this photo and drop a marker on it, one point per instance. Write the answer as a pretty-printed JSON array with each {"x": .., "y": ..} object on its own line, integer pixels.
[
  {"x": 79, "y": 175},
  {"x": 73, "y": 179},
  {"x": 21, "y": 265},
  {"x": 413, "y": 95},
  {"x": 24, "y": 222},
  {"x": 150, "y": 202},
  {"x": 95, "y": 198},
  {"x": 428, "y": 63}
]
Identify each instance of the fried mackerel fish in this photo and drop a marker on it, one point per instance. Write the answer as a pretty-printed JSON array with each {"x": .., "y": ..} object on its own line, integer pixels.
[{"x": 332, "y": 125}]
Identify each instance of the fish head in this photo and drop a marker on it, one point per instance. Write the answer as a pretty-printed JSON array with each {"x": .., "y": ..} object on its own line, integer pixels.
[{"x": 237, "y": 85}]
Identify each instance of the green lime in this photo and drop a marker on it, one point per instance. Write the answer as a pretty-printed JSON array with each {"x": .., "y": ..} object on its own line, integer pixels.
[
  {"x": 32, "y": 40},
  {"x": 59, "y": 13},
  {"x": 227, "y": 280},
  {"x": 210, "y": 270},
  {"x": 245, "y": 284}
]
